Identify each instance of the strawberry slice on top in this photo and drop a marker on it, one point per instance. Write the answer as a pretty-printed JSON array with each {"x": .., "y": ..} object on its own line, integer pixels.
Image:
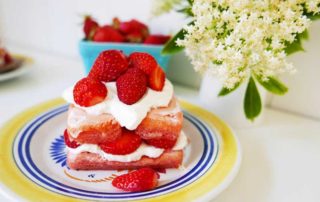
[
  {"x": 139, "y": 180},
  {"x": 89, "y": 27},
  {"x": 157, "y": 79}
]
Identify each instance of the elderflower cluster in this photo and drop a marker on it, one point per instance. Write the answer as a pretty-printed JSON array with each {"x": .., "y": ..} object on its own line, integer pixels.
[{"x": 234, "y": 39}]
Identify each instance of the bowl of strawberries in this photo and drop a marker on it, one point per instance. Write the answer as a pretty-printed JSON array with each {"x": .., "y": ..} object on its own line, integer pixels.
[{"x": 127, "y": 36}]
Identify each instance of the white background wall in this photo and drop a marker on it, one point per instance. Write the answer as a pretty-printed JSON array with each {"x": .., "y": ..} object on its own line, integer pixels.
[{"x": 54, "y": 27}]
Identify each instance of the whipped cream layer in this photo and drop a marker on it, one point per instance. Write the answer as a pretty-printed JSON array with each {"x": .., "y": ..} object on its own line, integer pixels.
[
  {"x": 129, "y": 116},
  {"x": 143, "y": 150}
]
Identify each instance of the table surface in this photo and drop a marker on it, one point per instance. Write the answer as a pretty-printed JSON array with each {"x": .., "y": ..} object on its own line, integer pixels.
[{"x": 281, "y": 157}]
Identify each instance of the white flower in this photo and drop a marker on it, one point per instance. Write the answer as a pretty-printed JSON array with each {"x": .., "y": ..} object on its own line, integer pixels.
[{"x": 244, "y": 37}]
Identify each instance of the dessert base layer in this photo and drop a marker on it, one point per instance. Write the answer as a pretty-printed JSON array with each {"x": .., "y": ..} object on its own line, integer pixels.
[{"x": 91, "y": 161}]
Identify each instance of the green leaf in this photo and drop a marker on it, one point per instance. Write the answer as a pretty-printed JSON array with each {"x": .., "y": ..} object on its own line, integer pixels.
[
  {"x": 273, "y": 85},
  {"x": 252, "y": 101},
  {"x": 296, "y": 45},
  {"x": 225, "y": 91},
  {"x": 171, "y": 47},
  {"x": 187, "y": 11}
]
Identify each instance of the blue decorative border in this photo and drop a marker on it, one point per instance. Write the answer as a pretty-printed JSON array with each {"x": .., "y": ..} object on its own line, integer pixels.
[{"x": 30, "y": 170}]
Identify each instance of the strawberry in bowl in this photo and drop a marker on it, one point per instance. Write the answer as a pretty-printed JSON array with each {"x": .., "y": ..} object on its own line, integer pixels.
[{"x": 128, "y": 36}]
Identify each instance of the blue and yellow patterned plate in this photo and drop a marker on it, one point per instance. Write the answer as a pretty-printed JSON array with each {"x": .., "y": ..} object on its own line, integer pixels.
[{"x": 33, "y": 161}]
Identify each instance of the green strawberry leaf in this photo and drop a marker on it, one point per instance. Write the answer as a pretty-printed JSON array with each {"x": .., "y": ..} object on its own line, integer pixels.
[
  {"x": 252, "y": 101},
  {"x": 225, "y": 91},
  {"x": 273, "y": 85}
]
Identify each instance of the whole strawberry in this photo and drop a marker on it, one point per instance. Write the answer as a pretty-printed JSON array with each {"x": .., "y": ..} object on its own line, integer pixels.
[
  {"x": 131, "y": 86},
  {"x": 140, "y": 180},
  {"x": 107, "y": 34},
  {"x": 109, "y": 65},
  {"x": 134, "y": 26},
  {"x": 89, "y": 27},
  {"x": 88, "y": 92},
  {"x": 156, "y": 39},
  {"x": 143, "y": 61}
]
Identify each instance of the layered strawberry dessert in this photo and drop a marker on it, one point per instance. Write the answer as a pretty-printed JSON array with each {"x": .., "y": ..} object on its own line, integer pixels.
[{"x": 124, "y": 115}]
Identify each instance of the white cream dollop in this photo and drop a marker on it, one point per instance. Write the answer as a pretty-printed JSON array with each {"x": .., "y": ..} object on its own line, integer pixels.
[
  {"x": 129, "y": 116},
  {"x": 143, "y": 150}
]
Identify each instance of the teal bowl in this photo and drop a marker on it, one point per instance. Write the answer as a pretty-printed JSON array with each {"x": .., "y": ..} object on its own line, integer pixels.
[{"x": 89, "y": 51}]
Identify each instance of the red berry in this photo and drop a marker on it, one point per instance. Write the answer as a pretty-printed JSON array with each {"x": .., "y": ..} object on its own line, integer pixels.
[
  {"x": 7, "y": 58},
  {"x": 72, "y": 144},
  {"x": 88, "y": 92},
  {"x": 134, "y": 37},
  {"x": 89, "y": 27},
  {"x": 162, "y": 143},
  {"x": 134, "y": 26},
  {"x": 140, "y": 180},
  {"x": 127, "y": 143},
  {"x": 107, "y": 34},
  {"x": 116, "y": 23},
  {"x": 109, "y": 65},
  {"x": 143, "y": 61},
  {"x": 156, "y": 39},
  {"x": 131, "y": 86},
  {"x": 157, "y": 79}
]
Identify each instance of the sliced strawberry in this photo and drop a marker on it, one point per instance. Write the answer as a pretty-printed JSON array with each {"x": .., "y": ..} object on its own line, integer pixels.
[
  {"x": 131, "y": 86},
  {"x": 89, "y": 27},
  {"x": 71, "y": 144},
  {"x": 157, "y": 79},
  {"x": 143, "y": 61},
  {"x": 88, "y": 92},
  {"x": 140, "y": 180},
  {"x": 162, "y": 143},
  {"x": 127, "y": 143},
  {"x": 109, "y": 65},
  {"x": 156, "y": 39},
  {"x": 107, "y": 34}
]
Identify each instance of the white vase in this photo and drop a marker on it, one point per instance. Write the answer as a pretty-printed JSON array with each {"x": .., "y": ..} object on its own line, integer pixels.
[{"x": 229, "y": 107}]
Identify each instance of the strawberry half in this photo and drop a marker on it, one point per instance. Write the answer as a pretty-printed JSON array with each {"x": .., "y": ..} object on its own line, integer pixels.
[
  {"x": 140, "y": 180},
  {"x": 107, "y": 34},
  {"x": 127, "y": 143},
  {"x": 156, "y": 39},
  {"x": 143, "y": 61},
  {"x": 157, "y": 79},
  {"x": 109, "y": 65},
  {"x": 131, "y": 86},
  {"x": 162, "y": 143},
  {"x": 71, "y": 144},
  {"x": 89, "y": 27},
  {"x": 88, "y": 92}
]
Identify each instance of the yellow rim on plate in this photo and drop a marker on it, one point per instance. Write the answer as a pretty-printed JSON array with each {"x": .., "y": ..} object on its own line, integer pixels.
[{"x": 207, "y": 186}]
